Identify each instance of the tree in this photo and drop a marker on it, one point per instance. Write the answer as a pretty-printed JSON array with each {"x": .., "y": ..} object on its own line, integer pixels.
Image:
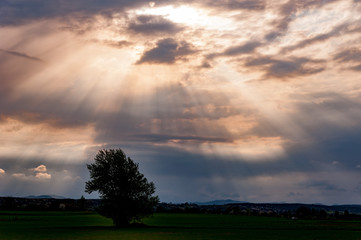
[
  {"x": 81, "y": 203},
  {"x": 125, "y": 193}
]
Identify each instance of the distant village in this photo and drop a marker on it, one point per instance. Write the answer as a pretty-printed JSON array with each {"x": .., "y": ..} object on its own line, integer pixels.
[{"x": 287, "y": 210}]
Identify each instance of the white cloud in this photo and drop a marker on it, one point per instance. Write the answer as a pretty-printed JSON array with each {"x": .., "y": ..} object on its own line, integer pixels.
[
  {"x": 71, "y": 178},
  {"x": 40, "y": 168},
  {"x": 19, "y": 175},
  {"x": 38, "y": 176},
  {"x": 43, "y": 176}
]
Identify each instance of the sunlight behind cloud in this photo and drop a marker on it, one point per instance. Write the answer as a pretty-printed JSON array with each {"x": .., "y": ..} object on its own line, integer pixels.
[
  {"x": 251, "y": 149},
  {"x": 43, "y": 176},
  {"x": 191, "y": 16},
  {"x": 40, "y": 168},
  {"x": 41, "y": 141}
]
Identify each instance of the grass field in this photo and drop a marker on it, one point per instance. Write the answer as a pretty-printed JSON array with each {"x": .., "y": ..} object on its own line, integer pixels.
[{"x": 81, "y": 225}]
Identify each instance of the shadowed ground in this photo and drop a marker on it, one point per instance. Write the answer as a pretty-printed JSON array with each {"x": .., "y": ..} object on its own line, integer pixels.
[{"x": 81, "y": 225}]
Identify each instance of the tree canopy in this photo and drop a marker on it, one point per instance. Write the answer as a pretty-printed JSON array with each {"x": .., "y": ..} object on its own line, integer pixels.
[{"x": 125, "y": 192}]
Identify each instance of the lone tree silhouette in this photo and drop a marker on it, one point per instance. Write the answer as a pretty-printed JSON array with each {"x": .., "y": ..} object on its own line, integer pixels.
[{"x": 126, "y": 195}]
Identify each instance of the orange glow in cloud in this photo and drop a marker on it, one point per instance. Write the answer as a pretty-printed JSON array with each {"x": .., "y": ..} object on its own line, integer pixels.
[{"x": 41, "y": 140}]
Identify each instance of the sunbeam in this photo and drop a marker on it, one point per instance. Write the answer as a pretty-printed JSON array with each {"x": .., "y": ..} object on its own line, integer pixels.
[{"x": 254, "y": 99}]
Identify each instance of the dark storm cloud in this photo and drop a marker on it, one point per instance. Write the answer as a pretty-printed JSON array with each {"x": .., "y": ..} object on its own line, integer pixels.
[
  {"x": 22, "y": 55},
  {"x": 281, "y": 25},
  {"x": 174, "y": 162},
  {"x": 156, "y": 127},
  {"x": 285, "y": 68},
  {"x": 300, "y": 159},
  {"x": 247, "y": 48},
  {"x": 332, "y": 132},
  {"x": 179, "y": 116},
  {"x": 117, "y": 44},
  {"x": 206, "y": 65},
  {"x": 23, "y": 11},
  {"x": 210, "y": 104},
  {"x": 179, "y": 138},
  {"x": 255, "y": 5},
  {"x": 322, "y": 186},
  {"x": 329, "y": 143},
  {"x": 349, "y": 55},
  {"x": 331, "y": 122},
  {"x": 352, "y": 55},
  {"x": 356, "y": 68},
  {"x": 167, "y": 51},
  {"x": 286, "y": 13},
  {"x": 63, "y": 116},
  {"x": 150, "y": 25},
  {"x": 112, "y": 43},
  {"x": 320, "y": 153}
]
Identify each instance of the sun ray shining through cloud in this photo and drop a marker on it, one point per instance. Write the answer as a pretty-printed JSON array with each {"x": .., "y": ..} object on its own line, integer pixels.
[{"x": 251, "y": 99}]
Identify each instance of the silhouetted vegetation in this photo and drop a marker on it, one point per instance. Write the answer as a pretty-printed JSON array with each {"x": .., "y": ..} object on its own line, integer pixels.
[
  {"x": 126, "y": 195},
  {"x": 291, "y": 211},
  {"x": 47, "y": 204}
]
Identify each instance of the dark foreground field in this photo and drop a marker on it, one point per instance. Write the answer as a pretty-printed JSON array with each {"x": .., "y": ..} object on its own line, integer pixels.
[{"x": 81, "y": 225}]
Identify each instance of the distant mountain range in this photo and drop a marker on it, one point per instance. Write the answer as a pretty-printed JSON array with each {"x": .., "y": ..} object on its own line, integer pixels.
[
  {"x": 218, "y": 202},
  {"x": 45, "y": 197}
]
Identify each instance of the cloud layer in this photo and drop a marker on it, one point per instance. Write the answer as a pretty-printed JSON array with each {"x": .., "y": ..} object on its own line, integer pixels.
[{"x": 253, "y": 100}]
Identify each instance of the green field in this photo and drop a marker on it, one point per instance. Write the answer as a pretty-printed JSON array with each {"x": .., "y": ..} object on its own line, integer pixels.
[{"x": 82, "y": 225}]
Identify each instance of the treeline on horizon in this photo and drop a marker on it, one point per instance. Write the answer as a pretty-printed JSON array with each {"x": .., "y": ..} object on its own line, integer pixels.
[{"x": 291, "y": 211}]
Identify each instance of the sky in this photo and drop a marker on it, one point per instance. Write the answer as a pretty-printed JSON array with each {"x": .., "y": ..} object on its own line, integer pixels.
[{"x": 250, "y": 100}]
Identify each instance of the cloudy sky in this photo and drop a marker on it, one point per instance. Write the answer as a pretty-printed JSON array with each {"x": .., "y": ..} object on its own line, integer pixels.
[{"x": 253, "y": 100}]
